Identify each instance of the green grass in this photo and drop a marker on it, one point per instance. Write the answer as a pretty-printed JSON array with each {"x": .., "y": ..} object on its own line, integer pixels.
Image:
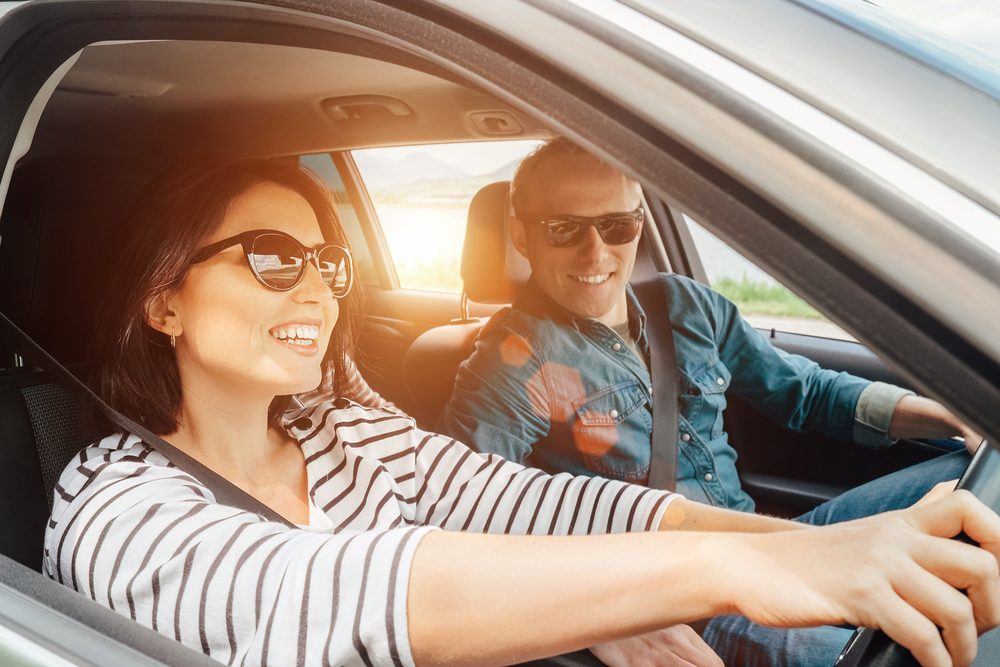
[{"x": 756, "y": 297}]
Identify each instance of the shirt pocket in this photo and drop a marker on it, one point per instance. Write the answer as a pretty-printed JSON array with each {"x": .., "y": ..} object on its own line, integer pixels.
[
  {"x": 710, "y": 385},
  {"x": 611, "y": 431}
]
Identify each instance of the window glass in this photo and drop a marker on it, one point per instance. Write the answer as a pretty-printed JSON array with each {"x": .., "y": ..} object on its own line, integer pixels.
[
  {"x": 421, "y": 195},
  {"x": 322, "y": 165},
  {"x": 762, "y": 300}
]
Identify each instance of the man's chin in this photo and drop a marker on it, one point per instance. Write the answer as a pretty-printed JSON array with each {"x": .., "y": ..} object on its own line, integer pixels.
[{"x": 591, "y": 310}]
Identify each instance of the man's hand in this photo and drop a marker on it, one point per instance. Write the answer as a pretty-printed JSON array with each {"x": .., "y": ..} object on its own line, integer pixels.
[
  {"x": 678, "y": 646},
  {"x": 972, "y": 439},
  {"x": 919, "y": 417},
  {"x": 896, "y": 571}
]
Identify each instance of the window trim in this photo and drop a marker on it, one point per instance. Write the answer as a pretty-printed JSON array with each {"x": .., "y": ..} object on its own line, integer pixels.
[{"x": 371, "y": 226}]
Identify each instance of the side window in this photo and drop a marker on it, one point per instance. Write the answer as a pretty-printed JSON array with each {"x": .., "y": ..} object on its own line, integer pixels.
[
  {"x": 762, "y": 300},
  {"x": 421, "y": 195},
  {"x": 322, "y": 165}
]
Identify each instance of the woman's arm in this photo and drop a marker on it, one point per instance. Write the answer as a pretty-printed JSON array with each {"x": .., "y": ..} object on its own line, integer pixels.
[
  {"x": 481, "y": 599},
  {"x": 684, "y": 514}
]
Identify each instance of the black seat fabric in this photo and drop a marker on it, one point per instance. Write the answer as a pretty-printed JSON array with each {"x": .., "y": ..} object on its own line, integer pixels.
[
  {"x": 61, "y": 228},
  {"x": 492, "y": 272},
  {"x": 42, "y": 431}
]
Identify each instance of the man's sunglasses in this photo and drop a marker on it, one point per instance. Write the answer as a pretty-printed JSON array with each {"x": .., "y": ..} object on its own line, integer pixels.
[
  {"x": 278, "y": 261},
  {"x": 563, "y": 231}
]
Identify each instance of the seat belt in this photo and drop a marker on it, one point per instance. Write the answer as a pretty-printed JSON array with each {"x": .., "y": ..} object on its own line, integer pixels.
[
  {"x": 225, "y": 492},
  {"x": 663, "y": 372}
]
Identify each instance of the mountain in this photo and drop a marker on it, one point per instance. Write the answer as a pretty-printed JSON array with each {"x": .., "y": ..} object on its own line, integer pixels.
[
  {"x": 504, "y": 173},
  {"x": 380, "y": 172}
]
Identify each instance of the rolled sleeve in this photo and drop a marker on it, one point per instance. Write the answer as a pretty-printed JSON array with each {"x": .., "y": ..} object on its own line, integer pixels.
[{"x": 873, "y": 414}]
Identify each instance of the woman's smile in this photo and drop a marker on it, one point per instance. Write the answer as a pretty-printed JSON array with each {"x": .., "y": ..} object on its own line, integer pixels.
[{"x": 300, "y": 336}]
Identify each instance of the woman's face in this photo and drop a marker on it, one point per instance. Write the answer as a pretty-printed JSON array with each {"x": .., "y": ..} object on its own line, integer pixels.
[{"x": 234, "y": 330}]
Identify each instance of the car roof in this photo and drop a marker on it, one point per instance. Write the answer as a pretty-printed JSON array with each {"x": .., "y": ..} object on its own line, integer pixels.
[{"x": 259, "y": 99}]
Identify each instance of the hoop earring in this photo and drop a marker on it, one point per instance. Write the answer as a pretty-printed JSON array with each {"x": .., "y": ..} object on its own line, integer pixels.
[{"x": 173, "y": 341}]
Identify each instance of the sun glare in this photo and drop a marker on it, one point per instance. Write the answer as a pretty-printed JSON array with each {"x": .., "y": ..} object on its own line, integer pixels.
[{"x": 422, "y": 195}]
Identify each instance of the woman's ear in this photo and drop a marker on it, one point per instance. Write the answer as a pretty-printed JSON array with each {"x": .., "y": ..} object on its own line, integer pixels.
[{"x": 161, "y": 316}]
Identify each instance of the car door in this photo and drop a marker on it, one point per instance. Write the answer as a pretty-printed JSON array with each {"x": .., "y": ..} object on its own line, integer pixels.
[{"x": 725, "y": 153}]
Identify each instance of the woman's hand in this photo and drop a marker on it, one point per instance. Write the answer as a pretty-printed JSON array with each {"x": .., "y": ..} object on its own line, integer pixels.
[
  {"x": 677, "y": 646},
  {"x": 905, "y": 577}
]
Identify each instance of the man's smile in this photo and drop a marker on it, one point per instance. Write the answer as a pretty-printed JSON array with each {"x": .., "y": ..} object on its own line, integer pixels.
[{"x": 592, "y": 279}]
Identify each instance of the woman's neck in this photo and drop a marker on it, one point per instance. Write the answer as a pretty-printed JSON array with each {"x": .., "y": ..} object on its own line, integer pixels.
[
  {"x": 224, "y": 426},
  {"x": 227, "y": 430}
]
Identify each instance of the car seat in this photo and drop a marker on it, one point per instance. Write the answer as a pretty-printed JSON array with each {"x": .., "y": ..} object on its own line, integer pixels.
[
  {"x": 61, "y": 224},
  {"x": 492, "y": 273}
]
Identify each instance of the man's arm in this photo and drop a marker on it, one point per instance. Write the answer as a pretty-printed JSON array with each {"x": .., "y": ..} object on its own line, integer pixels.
[
  {"x": 790, "y": 389},
  {"x": 919, "y": 417},
  {"x": 799, "y": 394}
]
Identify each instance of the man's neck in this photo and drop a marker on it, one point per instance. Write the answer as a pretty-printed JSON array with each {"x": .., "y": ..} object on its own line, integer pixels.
[
  {"x": 617, "y": 315},
  {"x": 535, "y": 301}
]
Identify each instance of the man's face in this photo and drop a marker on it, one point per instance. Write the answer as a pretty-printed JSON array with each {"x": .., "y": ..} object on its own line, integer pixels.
[{"x": 589, "y": 278}]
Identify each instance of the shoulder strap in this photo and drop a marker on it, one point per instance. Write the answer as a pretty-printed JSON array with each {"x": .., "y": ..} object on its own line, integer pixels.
[
  {"x": 224, "y": 491},
  {"x": 663, "y": 371}
]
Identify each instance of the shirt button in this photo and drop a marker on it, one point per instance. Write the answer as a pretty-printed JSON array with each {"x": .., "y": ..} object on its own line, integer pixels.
[
  {"x": 614, "y": 414},
  {"x": 617, "y": 347},
  {"x": 302, "y": 423},
  {"x": 720, "y": 381},
  {"x": 685, "y": 437},
  {"x": 709, "y": 477}
]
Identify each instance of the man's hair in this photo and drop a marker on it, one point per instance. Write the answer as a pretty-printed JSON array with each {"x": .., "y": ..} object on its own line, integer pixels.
[
  {"x": 526, "y": 176},
  {"x": 133, "y": 367}
]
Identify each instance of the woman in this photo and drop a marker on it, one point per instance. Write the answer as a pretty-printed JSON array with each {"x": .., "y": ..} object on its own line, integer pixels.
[{"x": 230, "y": 301}]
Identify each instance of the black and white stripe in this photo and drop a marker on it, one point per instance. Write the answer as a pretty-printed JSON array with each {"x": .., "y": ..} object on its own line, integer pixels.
[{"x": 134, "y": 533}]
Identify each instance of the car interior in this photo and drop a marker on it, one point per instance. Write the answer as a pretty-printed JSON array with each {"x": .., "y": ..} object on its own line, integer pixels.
[{"x": 122, "y": 111}]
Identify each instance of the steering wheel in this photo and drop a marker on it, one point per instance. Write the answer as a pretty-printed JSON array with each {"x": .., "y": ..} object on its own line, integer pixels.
[{"x": 874, "y": 648}]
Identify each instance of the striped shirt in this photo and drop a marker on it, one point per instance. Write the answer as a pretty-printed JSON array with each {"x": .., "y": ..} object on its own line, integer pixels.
[
  {"x": 355, "y": 388},
  {"x": 134, "y": 533}
]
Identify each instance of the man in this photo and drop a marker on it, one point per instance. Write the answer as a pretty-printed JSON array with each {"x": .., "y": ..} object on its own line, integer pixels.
[{"x": 561, "y": 381}]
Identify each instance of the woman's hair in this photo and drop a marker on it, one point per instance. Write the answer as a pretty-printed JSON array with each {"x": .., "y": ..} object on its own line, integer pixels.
[{"x": 133, "y": 366}]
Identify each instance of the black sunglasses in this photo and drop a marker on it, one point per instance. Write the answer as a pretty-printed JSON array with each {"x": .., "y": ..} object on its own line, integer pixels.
[
  {"x": 278, "y": 261},
  {"x": 563, "y": 231}
]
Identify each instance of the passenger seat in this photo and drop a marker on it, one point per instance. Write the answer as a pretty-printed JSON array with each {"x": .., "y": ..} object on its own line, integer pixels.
[{"x": 492, "y": 273}]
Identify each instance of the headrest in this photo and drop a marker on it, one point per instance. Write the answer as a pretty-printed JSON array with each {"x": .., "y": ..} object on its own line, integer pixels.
[
  {"x": 62, "y": 224},
  {"x": 492, "y": 270}
]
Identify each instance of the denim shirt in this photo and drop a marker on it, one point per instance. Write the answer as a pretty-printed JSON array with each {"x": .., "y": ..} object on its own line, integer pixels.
[{"x": 566, "y": 394}]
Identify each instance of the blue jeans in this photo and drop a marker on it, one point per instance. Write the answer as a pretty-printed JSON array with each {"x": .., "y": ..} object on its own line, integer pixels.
[{"x": 739, "y": 641}]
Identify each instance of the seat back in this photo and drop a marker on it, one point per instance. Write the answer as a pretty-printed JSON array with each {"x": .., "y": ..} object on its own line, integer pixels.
[
  {"x": 493, "y": 272},
  {"x": 61, "y": 227},
  {"x": 42, "y": 430}
]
